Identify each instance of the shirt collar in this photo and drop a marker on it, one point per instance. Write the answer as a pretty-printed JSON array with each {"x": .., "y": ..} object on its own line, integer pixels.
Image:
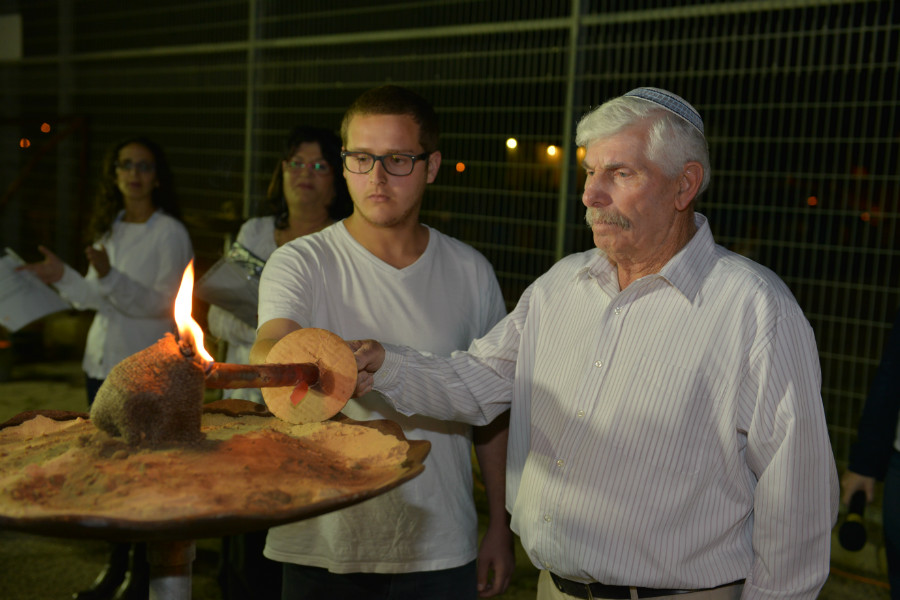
[
  {"x": 153, "y": 215},
  {"x": 686, "y": 270}
]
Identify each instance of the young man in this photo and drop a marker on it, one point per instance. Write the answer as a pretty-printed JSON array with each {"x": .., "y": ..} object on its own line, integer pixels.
[
  {"x": 667, "y": 435},
  {"x": 381, "y": 272}
]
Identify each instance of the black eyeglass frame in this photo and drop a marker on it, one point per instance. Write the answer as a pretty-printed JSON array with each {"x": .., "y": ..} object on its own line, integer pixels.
[{"x": 380, "y": 158}]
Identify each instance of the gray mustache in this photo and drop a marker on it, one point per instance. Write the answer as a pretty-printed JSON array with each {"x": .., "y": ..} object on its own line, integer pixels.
[{"x": 598, "y": 215}]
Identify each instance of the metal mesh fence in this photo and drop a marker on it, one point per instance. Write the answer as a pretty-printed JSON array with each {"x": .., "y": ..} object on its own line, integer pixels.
[{"x": 799, "y": 97}]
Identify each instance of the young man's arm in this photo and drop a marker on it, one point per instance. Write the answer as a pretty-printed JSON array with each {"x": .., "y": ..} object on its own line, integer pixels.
[
  {"x": 268, "y": 335},
  {"x": 496, "y": 551}
]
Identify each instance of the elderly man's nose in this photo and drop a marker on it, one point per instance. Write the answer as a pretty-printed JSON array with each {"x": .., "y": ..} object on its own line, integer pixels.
[{"x": 593, "y": 193}]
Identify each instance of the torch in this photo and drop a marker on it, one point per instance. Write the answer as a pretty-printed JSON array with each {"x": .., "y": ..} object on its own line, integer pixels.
[{"x": 155, "y": 396}]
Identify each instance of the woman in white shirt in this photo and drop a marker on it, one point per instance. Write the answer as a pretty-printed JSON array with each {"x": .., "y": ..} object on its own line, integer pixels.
[
  {"x": 138, "y": 250},
  {"x": 306, "y": 194}
]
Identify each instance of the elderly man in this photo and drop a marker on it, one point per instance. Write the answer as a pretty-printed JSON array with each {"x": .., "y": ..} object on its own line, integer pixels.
[{"x": 667, "y": 436}]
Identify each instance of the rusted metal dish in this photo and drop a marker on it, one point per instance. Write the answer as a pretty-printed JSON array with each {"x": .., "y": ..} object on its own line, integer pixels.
[{"x": 61, "y": 476}]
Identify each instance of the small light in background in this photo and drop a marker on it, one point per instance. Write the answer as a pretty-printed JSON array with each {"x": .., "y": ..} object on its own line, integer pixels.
[
  {"x": 460, "y": 167},
  {"x": 24, "y": 143},
  {"x": 865, "y": 216},
  {"x": 45, "y": 127},
  {"x": 812, "y": 201},
  {"x": 552, "y": 150},
  {"x": 511, "y": 143},
  {"x": 579, "y": 153}
]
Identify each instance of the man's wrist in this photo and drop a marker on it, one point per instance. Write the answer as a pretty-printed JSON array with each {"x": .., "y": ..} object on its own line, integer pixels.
[{"x": 389, "y": 372}]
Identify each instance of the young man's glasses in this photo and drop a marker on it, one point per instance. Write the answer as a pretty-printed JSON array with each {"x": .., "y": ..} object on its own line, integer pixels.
[
  {"x": 395, "y": 164},
  {"x": 140, "y": 166},
  {"x": 319, "y": 167}
]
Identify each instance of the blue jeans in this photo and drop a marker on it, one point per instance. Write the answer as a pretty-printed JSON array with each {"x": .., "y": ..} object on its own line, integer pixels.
[
  {"x": 891, "y": 519},
  {"x": 311, "y": 583}
]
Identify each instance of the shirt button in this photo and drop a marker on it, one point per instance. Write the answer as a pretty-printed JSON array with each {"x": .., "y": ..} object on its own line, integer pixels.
[
  {"x": 618, "y": 310},
  {"x": 580, "y": 414},
  {"x": 547, "y": 518},
  {"x": 598, "y": 364},
  {"x": 560, "y": 462}
]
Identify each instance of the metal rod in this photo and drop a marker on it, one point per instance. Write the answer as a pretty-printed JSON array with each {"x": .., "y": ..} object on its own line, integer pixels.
[{"x": 230, "y": 376}]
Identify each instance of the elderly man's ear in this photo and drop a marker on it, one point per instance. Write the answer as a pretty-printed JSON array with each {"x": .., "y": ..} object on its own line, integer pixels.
[{"x": 689, "y": 184}]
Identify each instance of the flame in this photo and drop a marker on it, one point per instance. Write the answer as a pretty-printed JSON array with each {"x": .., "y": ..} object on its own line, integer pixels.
[{"x": 188, "y": 329}]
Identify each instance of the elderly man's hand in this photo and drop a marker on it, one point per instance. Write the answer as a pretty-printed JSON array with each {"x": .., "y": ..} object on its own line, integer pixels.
[
  {"x": 50, "y": 270},
  {"x": 369, "y": 358}
]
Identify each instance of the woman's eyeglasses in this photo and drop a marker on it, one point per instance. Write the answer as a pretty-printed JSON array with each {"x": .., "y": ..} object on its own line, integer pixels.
[
  {"x": 319, "y": 167},
  {"x": 140, "y": 166}
]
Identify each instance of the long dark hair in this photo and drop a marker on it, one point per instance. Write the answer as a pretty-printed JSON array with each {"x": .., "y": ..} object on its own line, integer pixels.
[
  {"x": 109, "y": 200},
  {"x": 330, "y": 144}
]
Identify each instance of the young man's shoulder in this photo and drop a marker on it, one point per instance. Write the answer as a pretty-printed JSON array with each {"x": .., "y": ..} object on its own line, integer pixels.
[{"x": 452, "y": 245}]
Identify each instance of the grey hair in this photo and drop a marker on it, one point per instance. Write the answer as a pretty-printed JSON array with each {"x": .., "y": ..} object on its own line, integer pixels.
[{"x": 672, "y": 140}]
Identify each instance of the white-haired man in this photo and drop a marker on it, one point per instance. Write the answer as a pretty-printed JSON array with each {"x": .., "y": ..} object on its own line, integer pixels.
[{"x": 667, "y": 435}]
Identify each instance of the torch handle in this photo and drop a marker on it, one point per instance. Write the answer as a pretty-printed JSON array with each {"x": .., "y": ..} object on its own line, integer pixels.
[{"x": 230, "y": 376}]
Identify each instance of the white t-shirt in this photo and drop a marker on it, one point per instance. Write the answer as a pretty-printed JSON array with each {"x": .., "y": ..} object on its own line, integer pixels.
[
  {"x": 439, "y": 304},
  {"x": 135, "y": 302}
]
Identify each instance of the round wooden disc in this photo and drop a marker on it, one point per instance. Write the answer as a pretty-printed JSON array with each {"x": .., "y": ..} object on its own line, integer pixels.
[{"x": 337, "y": 375}]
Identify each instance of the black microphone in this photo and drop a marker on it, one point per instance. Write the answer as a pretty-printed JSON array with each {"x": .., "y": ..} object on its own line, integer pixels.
[{"x": 852, "y": 534}]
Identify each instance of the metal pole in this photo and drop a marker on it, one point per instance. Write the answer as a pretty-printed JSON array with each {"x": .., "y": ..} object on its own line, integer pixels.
[
  {"x": 568, "y": 135},
  {"x": 170, "y": 569},
  {"x": 250, "y": 109}
]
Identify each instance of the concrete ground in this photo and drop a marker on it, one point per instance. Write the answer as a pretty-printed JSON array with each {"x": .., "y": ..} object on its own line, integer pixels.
[{"x": 45, "y": 568}]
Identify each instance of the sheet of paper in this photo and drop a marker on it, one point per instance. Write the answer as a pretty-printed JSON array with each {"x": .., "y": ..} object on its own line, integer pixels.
[
  {"x": 23, "y": 297},
  {"x": 229, "y": 286},
  {"x": 233, "y": 283}
]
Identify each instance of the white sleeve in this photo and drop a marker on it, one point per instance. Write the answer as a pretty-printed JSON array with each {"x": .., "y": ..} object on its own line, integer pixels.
[
  {"x": 135, "y": 299},
  {"x": 788, "y": 449},
  {"x": 472, "y": 387},
  {"x": 228, "y": 327}
]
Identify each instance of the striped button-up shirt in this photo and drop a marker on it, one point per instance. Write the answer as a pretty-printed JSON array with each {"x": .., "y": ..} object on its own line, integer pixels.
[{"x": 667, "y": 435}]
